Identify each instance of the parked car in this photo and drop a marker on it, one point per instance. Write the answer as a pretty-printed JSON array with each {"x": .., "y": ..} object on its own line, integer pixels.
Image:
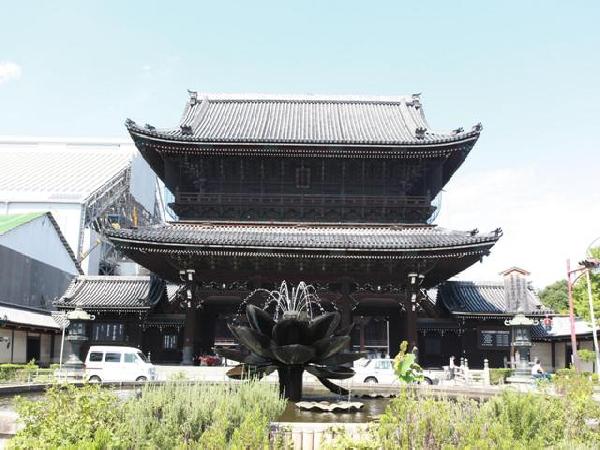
[
  {"x": 381, "y": 370},
  {"x": 112, "y": 363}
]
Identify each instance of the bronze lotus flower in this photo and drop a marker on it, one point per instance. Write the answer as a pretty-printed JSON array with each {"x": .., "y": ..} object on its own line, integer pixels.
[{"x": 292, "y": 345}]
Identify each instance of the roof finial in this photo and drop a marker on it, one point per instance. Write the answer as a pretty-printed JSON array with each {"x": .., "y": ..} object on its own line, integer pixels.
[
  {"x": 420, "y": 132},
  {"x": 478, "y": 127},
  {"x": 193, "y": 97}
]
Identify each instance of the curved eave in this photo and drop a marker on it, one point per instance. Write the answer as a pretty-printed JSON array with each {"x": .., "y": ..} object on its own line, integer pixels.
[
  {"x": 106, "y": 308},
  {"x": 481, "y": 247},
  {"x": 174, "y": 137}
]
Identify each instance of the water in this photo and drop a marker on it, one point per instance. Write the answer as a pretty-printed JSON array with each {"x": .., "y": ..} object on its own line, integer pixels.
[
  {"x": 301, "y": 299},
  {"x": 372, "y": 409}
]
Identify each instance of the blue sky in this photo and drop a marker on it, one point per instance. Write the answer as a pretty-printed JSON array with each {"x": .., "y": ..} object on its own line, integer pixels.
[{"x": 529, "y": 71}]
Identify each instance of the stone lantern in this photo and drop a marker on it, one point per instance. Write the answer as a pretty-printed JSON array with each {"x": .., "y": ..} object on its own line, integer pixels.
[
  {"x": 77, "y": 335},
  {"x": 520, "y": 327}
]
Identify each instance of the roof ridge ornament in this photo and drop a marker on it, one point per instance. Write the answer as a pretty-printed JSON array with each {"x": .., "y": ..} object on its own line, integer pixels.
[
  {"x": 186, "y": 130},
  {"x": 477, "y": 127},
  {"x": 420, "y": 132},
  {"x": 193, "y": 97}
]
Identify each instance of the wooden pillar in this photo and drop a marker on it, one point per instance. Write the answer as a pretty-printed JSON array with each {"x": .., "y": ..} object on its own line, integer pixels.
[
  {"x": 394, "y": 334},
  {"x": 411, "y": 326},
  {"x": 362, "y": 334},
  {"x": 553, "y": 356},
  {"x": 189, "y": 333}
]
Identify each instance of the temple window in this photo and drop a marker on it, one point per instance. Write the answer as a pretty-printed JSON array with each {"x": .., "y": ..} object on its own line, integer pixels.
[
  {"x": 170, "y": 341},
  {"x": 108, "y": 332}
]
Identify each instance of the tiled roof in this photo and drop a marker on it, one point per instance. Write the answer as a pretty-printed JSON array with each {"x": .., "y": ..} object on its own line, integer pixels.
[
  {"x": 59, "y": 171},
  {"x": 561, "y": 328},
  {"x": 308, "y": 119},
  {"x": 309, "y": 237},
  {"x": 471, "y": 297},
  {"x": 112, "y": 293}
]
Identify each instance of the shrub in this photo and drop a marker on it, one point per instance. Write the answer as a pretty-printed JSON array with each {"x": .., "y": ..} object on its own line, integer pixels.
[
  {"x": 68, "y": 416},
  {"x": 174, "y": 415},
  {"x": 499, "y": 376},
  {"x": 508, "y": 421}
]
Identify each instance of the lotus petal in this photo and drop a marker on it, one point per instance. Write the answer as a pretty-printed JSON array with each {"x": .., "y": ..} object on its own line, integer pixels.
[
  {"x": 230, "y": 353},
  {"x": 255, "y": 360},
  {"x": 252, "y": 340},
  {"x": 343, "y": 331},
  {"x": 336, "y": 373},
  {"x": 323, "y": 326},
  {"x": 260, "y": 320},
  {"x": 330, "y": 346},
  {"x": 291, "y": 331},
  {"x": 342, "y": 358},
  {"x": 293, "y": 354},
  {"x": 333, "y": 387}
]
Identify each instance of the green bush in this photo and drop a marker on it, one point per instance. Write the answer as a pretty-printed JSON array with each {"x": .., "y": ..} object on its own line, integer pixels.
[
  {"x": 499, "y": 376},
  {"x": 68, "y": 417},
  {"x": 18, "y": 372},
  {"x": 508, "y": 421},
  {"x": 174, "y": 415}
]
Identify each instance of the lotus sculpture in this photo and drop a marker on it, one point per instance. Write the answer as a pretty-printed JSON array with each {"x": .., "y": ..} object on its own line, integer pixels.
[{"x": 291, "y": 343}]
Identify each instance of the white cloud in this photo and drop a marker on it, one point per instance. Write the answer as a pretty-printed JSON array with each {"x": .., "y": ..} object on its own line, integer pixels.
[{"x": 9, "y": 71}]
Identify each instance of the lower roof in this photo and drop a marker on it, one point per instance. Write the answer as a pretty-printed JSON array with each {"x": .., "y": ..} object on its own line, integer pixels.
[
  {"x": 116, "y": 293},
  {"x": 476, "y": 298},
  {"x": 305, "y": 237}
]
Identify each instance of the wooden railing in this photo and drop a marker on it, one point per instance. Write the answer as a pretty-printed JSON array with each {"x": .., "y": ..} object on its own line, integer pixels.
[{"x": 286, "y": 200}]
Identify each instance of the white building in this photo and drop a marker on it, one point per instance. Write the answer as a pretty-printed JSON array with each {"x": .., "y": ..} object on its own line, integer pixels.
[{"x": 81, "y": 182}]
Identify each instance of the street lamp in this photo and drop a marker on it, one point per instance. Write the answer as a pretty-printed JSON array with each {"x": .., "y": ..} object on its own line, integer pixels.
[{"x": 584, "y": 268}]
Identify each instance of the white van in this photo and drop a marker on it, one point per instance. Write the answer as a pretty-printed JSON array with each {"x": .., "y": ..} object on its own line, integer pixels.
[{"x": 111, "y": 363}]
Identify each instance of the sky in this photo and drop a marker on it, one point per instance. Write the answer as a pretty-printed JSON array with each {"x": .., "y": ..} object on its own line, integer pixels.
[{"x": 529, "y": 71}]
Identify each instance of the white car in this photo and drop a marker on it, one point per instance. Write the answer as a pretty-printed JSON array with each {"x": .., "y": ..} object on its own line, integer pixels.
[
  {"x": 381, "y": 370},
  {"x": 112, "y": 363}
]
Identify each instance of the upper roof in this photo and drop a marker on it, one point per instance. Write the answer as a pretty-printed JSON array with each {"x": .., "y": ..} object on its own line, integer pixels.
[
  {"x": 11, "y": 221},
  {"x": 304, "y": 119},
  {"x": 305, "y": 237},
  {"x": 481, "y": 298},
  {"x": 112, "y": 293},
  {"x": 52, "y": 170}
]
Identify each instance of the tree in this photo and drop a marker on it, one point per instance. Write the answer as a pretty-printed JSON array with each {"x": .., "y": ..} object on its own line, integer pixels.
[
  {"x": 580, "y": 292},
  {"x": 556, "y": 297}
]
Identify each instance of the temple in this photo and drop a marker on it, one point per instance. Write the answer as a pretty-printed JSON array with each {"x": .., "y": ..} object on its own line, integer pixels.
[{"x": 339, "y": 192}]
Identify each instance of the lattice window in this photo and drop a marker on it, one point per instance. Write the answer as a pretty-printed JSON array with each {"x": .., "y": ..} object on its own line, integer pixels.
[{"x": 303, "y": 177}]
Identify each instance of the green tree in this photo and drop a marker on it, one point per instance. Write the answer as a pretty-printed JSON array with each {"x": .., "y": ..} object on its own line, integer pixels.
[
  {"x": 580, "y": 292},
  {"x": 556, "y": 297}
]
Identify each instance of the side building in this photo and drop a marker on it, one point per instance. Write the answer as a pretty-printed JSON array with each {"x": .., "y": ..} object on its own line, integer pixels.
[
  {"x": 36, "y": 266},
  {"x": 85, "y": 184}
]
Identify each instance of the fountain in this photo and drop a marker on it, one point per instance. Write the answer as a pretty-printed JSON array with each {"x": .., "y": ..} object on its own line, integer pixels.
[{"x": 299, "y": 336}]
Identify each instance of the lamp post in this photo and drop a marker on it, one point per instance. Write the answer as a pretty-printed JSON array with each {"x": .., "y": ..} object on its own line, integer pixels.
[
  {"x": 584, "y": 268},
  {"x": 77, "y": 336}
]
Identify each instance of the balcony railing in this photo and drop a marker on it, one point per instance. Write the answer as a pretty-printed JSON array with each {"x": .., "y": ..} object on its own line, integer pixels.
[{"x": 287, "y": 200}]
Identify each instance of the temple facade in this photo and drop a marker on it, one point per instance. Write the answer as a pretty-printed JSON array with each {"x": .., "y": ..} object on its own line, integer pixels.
[{"x": 339, "y": 192}]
